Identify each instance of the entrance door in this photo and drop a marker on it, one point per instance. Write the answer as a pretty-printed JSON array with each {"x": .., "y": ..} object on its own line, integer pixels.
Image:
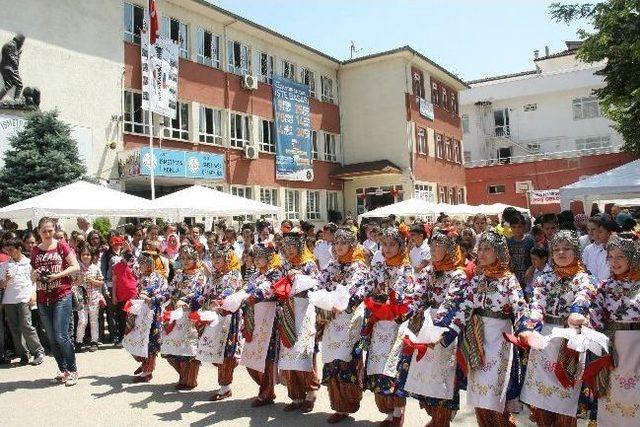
[{"x": 501, "y": 122}]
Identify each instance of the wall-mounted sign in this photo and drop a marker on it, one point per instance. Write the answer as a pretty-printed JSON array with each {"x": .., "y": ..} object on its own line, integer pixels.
[
  {"x": 171, "y": 163},
  {"x": 426, "y": 108},
  {"x": 544, "y": 197}
]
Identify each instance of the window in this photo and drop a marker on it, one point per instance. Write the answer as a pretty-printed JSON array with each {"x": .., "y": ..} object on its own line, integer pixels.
[
  {"x": 238, "y": 58},
  {"x": 504, "y": 154},
  {"x": 443, "y": 194},
  {"x": 238, "y": 130},
  {"x": 308, "y": 78},
  {"x": 313, "y": 205},
  {"x": 467, "y": 156},
  {"x": 288, "y": 70},
  {"x": 292, "y": 204},
  {"x": 465, "y": 123},
  {"x": 327, "y": 89},
  {"x": 435, "y": 97},
  {"x": 422, "y": 141},
  {"x": 457, "y": 151},
  {"x": 533, "y": 148},
  {"x": 586, "y": 108},
  {"x": 269, "y": 196},
  {"x": 332, "y": 201},
  {"x": 448, "y": 149},
  {"x": 241, "y": 191},
  {"x": 453, "y": 102},
  {"x": 452, "y": 196},
  {"x": 439, "y": 146},
  {"x": 266, "y": 67},
  {"x": 176, "y": 31},
  {"x": 496, "y": 189},
  {"x": 208, "y": 49},
  {"x": 529, "y": 107},
  {"x": 210, "y": 125},
  {"x": 133, "y": 22},
  {"x": 460, "y": 195},
  {"x": 443, "y": 98},
  {"x": 266, "y": 137},
  {"x": 593, "y": 143},
  {"x": 314, "y": 145},
  {"x": 330, "y": 148},
  {"x": 136, "y": 120},
  {"x": 424, "y": 192},
  {"x": 179, "y": 127},
  {"x": 418, "y": 83}
]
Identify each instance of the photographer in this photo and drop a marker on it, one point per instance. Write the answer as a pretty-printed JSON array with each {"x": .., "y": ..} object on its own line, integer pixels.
[{"x": 53, "y": 262}]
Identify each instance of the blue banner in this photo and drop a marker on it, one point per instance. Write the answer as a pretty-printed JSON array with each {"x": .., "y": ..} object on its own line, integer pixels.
[
  {"x": 182, "y": 164},
  {"x": 293, "y": 130}
]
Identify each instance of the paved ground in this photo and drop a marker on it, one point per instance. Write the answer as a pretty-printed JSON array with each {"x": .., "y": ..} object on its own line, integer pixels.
[{"x": 105, "y": 396}]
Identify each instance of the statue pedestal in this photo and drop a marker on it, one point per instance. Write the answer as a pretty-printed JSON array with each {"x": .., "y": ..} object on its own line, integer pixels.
[{"x": 14, "y": 105}]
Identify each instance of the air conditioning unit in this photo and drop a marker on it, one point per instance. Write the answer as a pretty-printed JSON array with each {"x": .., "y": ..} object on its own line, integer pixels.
[
  {"x": 250, "y": 152},
  {"x": 249, "y": 82},
  {"x": 523, "y": 187}
]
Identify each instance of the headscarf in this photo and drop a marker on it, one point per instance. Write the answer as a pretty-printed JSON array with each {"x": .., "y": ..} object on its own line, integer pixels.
[
  {"x": 402, "y": 258},
  {"x": 171, "y": 250},
  {"x": 190, "y": 253},
  {"x": 296, "y": 237},
  {"x": 453, "y": 258},
  {"x": 499, "y": 244},
  {"x": 231, "y": 261},
  {"x": 268, "y": 251},
  {"x": 348, "y": 236},
  {"x": 580, "y": 221},
  {"x": 629, "y": 244},
  {"x": 576, "y": 266}
]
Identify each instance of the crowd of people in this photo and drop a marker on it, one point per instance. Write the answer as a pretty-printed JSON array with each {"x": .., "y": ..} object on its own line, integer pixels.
[{"x": 509, "y": 310}]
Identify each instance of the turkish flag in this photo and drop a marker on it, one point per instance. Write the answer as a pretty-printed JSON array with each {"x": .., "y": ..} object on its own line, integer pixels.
[{"x": 153, "y": 22}]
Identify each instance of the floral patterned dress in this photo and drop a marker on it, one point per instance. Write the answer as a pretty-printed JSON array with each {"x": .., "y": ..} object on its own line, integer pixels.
[
  {"x": 616, "y": 311},
  {"x": 154, "y": 286},
  {"x": 393, "y": 284},
  {"x": 436, "y": 294},
  {"x": 554, "y": 298},
  {"x": 353, "y": 275}
]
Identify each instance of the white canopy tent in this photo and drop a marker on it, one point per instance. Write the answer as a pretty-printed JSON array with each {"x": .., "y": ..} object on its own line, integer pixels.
[
  {"x": 622, "y": 182},
  {"x": 80, "y": 198},
  {"x": 204, "y": 201},
  {"x": 416, "y": 207}
]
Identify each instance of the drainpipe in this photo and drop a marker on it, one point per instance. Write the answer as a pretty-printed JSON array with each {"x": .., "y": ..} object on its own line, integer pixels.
[
  {"x": 342, "y": 140},
  {"x": 226, "y": 97}
]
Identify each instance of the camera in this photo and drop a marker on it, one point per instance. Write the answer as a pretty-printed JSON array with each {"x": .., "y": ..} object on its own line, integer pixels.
[{"x": 44, "y": 275}]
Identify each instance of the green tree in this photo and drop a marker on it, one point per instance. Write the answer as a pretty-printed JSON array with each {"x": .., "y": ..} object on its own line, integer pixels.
[
  {"x": 616, "y": 39},
  {"x": 41, "y": 158}
]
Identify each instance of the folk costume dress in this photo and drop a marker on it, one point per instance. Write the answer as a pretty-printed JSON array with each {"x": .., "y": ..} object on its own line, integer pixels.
[
  {"x": 340, "y": 344},
  {"x": 386, "y": 299},
  {"x": 260, "y": 331},
  {"x": 616, "y": 312},
  {"x": 493, "y": 302},
  {"x": 144, "y": 324},
  {"x": 179, "y": 335},
  {"x": 297, "y": 331},
  {"x": 219, "y": 341},
  {"x": 557, "y": 293},
  {"x": 433, "y": 375}
]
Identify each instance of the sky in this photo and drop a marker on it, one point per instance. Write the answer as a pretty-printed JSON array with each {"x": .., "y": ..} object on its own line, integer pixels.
[{"x": 471, "y": 38}]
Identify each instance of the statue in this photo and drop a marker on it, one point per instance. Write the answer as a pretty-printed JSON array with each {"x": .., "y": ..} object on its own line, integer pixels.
[{"x": 9, "y": 65}]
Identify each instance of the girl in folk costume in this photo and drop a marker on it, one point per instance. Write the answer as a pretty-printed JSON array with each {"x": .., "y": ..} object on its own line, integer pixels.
[
  {"x": 561, "y": 295},
  {"x": 144, "y": 328},
  {"x": 492, "y": 303},
  {"x": 429, "y": 371},
  {"x": 261, "y": 348},
  {"x": 179, "y": 334},
  {"x": 219, "y": 342},
  {"x": 296, "y": 323},
  {"x": 341, "y": 350},
  {"x": 616, "y": 311},
  {"x": 387, "y": 295}
]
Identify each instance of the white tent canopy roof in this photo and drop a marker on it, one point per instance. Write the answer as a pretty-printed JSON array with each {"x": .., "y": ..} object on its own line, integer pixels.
[
  {"x": 204, "y": 201},
  {"x": 415, "y": 207},
  {"x": 80, "y": 198},
  {"x": 622, "y": 182}
]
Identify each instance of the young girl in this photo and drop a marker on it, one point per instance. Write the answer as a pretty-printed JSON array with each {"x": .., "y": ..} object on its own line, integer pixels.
[{"x": 89, "y": 281}]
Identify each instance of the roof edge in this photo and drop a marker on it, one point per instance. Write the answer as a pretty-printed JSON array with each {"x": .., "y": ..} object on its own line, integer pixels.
[{"x": 504, "y": 76}]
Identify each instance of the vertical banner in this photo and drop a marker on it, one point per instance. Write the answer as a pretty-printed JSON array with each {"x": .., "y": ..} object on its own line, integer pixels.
[
  {"x": 293, "y": 130},
  {"x": 160, "y": 87}
]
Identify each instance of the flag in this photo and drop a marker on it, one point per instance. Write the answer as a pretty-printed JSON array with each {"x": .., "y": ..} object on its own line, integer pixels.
[{"x": 153, "y": 22}]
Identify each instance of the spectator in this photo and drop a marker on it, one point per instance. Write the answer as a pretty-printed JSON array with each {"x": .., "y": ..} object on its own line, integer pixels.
[
  {"x": 595, "y": 254},
  {"x": 19, "y": 296},
  {"x": 124, "y": 288},
  {"x": 539, "y": 259},
  {"x": 197, "y": 236},
  {"x": 626, "y": 222},
  {"x": 520, "y": 246},
  {"x": 420, "y": 254},
  {"x": 110, "y": 258},
  {"x": 84, "y": 225},
  {"x": 549, "y": 223},
  {"x": 322, "y": 250},
  {"x": 89, "y": 281}
]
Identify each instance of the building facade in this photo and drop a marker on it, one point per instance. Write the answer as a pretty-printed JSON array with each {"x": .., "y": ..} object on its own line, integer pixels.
[
  {"x": 536, "y": 130},
  {"x": 401, "y": 128}
]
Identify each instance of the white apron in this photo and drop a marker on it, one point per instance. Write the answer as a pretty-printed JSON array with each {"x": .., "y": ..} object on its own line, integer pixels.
[
  {"x": 541, "y": 388},
  {"x": 487, "y": 387},
  {"x": 212, "y": 342},
  {"x": 434, "y": 375},
  {"x": 341, "y": 335},
  {"x": 300, "y": 356},
  {"x": 254, "y": 353},
  {"x": 182, "y": 340},
  {"x": 621, "y": 408},
  {"x": 385, "y": 348},
  {"x": 136, "y": 341}
]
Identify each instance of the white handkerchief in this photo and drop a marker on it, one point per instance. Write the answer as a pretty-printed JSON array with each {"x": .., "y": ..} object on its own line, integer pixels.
[
  {"x": 302, "y": 283},
  {"x": 429, "y": 333},
  {"x": 208, "y": 316},
  {"x": 328, "y": 300},
  {"x": 233, "y": 302},
  {"x": 176, "y": 314}
]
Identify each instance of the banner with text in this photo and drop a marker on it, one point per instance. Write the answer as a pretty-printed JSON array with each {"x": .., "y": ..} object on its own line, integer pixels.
[
  {"x": 171, "y": 163},
  {"x": 293, "y": 130},
  {"x": 160, "y": 85},
  {"x": 544, "y": 197}
]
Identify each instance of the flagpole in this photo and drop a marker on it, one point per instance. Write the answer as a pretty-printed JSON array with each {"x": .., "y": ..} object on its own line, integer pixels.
[{"x": 151, "y": 155}]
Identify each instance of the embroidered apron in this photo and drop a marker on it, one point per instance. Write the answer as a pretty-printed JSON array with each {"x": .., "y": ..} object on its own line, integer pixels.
[
  {"x": 211, "y": 344},
  {"x": 385, "y": 348},
  {"x": 136, "y": 342},
  {"x": 341, "y": 335},
  {"x": 254, "y": 352},
  {"x": 182, "y": 340},
  {"x": 300, "y": 356}
]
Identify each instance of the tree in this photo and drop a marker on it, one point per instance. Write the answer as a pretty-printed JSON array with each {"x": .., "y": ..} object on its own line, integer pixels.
[
  {"x": 616, "y": 39},
  {"x": 41, "y": 158}
]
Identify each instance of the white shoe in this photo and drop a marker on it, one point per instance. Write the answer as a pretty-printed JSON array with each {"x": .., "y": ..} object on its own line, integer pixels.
[
  {"x": 72, "y": 379},
  {"x": 61, "y": 378}
]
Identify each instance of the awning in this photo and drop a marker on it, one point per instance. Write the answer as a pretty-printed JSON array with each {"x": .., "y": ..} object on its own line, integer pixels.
[{"x": 355, "y": 170}]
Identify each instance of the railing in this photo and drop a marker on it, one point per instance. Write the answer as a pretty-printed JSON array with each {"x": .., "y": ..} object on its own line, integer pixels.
[{"x": 543, "y": 156}]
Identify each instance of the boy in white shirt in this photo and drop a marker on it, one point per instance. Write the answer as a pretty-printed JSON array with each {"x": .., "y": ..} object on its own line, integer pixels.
[
  {"x": 420, "y": 254},
  {"x": 594, "y": 255},
  {"x": 322, "y": 250},
  {"x": 19, "y": 296}
]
